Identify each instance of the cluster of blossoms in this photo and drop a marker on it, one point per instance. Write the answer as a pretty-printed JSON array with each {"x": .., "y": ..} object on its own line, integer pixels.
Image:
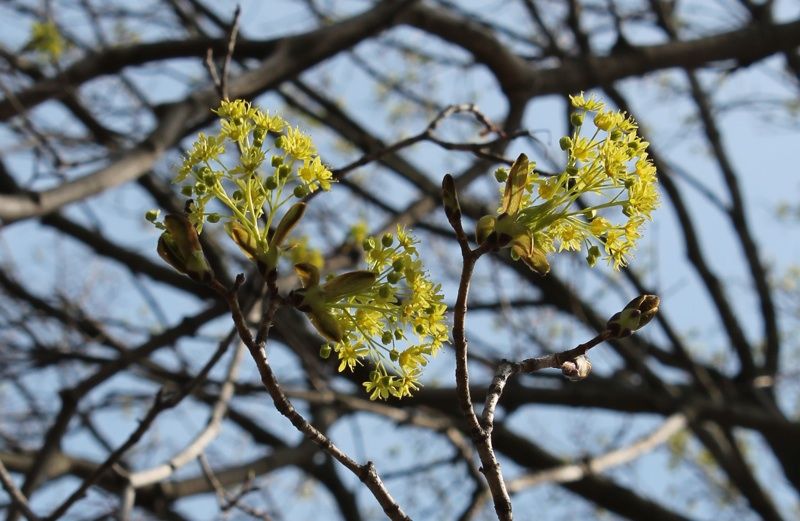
[
  {"x": 390, "y": 314},
  {"x": 295, "y": 171},
  {"x": 46, "y": 40},
  {"x": 611, "y": 169}
]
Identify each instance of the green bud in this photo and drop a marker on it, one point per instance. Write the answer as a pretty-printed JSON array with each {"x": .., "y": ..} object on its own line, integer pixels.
[
  {"x": 592, "y": 256},
  {"x": 571, "y": 170},
  {"x": 420, "y": 329},
  {"x": 501, "y": 174},
  {"x": 300, "y": 191},
  {"x": 187, "y": 190},
  {"x": 393, "y": 277},
  {"x": 386, "y": 338},
  {"x": 398, "y": 334},
  {"x": 200, "y": 188},
  {"x": 576, "y": 119},
  {"x": 615, "y": 135},
  {"x": 276, "y": 161},
  {"x": 633, "y": 316},
  {"x": 565, "y": 143},
  {"x": 152, "y": 215},
  {"x": 284, "y": 171},
  {"x": 271, "y": 183},
  {"x": 279, "y": 141},
  {"x": 387, "y": 240},
  {"x": 213, "y": 217},
  {"x": 237, "y": 195},
  {"x": 394, "y": 355},
  {"x": 325, "y": 351},
  {"x": 368, "y": 244},
  {"x": 398, "y": 265},
  {"x": 384, "y": 292},
  {"x": 258, "y": 136}
]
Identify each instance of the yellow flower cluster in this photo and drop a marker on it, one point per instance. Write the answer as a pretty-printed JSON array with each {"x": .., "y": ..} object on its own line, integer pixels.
[
  {"x": 253, "y": 187},
  {"x": 46, "y": 40},
  {"x": 389, "y": 315},
  {"x": 609, "y": 169},
  {"x": 398, "y": 322}
]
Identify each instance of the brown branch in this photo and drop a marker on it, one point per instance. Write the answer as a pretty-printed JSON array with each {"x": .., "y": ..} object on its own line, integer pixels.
[
  {"x": 17, "y": 497},
  {"x": 162, "y": 402},
  {"x": 365, "y": 473},
  {"x": 290, "y": 56}
]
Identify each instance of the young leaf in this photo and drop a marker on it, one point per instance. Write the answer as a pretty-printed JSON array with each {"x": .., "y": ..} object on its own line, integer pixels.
[
  {"x": 348, "y": 283},
  {"x": 515, "y": 186}
]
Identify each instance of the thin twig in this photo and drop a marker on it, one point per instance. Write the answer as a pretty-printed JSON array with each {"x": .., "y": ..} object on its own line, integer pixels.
[
  {"x": 221, "y": 79},
  {"x": 480, "y": 436},
  {"x": 16, "y": 495},
  {"x": 226, "y": 501},
  {"x": 162, "y": 402},
  {"x": 366, "y": 473}
]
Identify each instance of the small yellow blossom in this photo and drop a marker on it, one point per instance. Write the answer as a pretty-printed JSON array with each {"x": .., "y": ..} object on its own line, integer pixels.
[{"x": 297, "y": 144}]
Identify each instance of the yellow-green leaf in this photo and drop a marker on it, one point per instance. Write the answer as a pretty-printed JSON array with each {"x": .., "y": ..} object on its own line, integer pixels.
[
  {"x": 348, "y": 284},
  {"x": 515, "y": 186},
  {"x": 289, "y": 221}
]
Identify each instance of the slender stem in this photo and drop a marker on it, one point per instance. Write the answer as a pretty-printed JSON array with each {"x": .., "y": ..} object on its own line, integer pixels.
[{"x": 366, "y": 473}]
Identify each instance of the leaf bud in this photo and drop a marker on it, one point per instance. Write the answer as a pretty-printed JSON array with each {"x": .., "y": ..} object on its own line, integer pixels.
[
  {"x": 633, "y": 316},
  {"x": 577, "y": 369}
]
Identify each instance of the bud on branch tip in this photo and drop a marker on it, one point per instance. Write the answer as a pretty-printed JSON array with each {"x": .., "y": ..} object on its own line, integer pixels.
[{"x": 633, "y": 316}]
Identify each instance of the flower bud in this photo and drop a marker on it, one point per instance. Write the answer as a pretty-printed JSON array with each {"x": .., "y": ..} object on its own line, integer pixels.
[
  {"x": 152, "y": 215},
  {"x": 634, "y": 316},
  {"x": 565, "y": 143},
  {"x": 300, "y": 191},
  {"x": 387, "y": 240},
  {"x": 325, "y": 351},
  {"x": 276, "y": 161},
  {"x": 576, "y": 119},
  {"x": 271, "y": 183}
]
